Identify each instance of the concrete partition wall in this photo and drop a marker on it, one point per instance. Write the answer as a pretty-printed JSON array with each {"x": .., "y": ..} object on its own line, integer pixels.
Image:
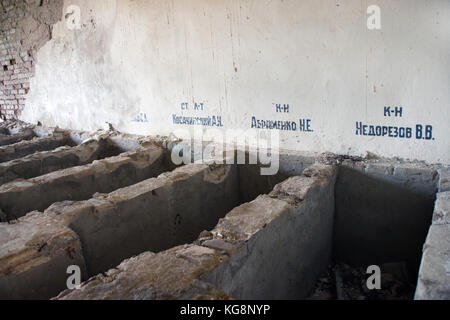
[
  {"x": 292, "y": 247},
  {"x": 252, "y": 183},
  {"x": 99, "y": 233},
  {"x": 48, "y": 161},
  {"x": 434, "y": 275},
  {"x": 333, "y": 83},
  {"x": 17, "y": 198},
  {"x": 153, "y": 215},
  {"x": 250, "y": 254},
  {"x": 27, "y": 147}
]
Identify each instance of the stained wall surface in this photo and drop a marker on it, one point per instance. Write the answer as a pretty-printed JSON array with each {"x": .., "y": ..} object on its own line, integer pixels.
[{"x": 162, "y": 67}]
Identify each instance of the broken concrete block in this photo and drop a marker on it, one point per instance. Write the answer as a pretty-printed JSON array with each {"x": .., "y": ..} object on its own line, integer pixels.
[
  {"x": 34, "y": 257},
  {"x": 169, "y": 275}
]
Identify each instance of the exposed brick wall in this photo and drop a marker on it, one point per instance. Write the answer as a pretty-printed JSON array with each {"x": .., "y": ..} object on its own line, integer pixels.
[{"x": 25, "y": 26}]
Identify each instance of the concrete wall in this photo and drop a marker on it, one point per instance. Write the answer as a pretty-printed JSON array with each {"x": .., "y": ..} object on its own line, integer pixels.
[
  {"x": 134, "y": 63},
  {"x": 434, "y": 275},
  {"x": 154, "y": 215},
  {"x": 20, "y": 197},
  {"x": 221, "y": 263},
  {"x": 284, "y": 259}
]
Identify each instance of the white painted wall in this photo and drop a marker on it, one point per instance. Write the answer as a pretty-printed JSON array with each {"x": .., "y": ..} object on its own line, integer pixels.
[{"x": 240, "y": 57}]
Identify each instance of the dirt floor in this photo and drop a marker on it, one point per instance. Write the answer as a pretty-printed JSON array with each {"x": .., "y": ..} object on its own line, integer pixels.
[{"x": 343, "y": 282}]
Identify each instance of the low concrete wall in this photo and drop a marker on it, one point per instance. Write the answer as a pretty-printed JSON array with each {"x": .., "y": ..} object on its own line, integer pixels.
[
  {"x": 26, "y": 134},
  {"x": 24, "y": 148},
  {"x": 80, "y": 183},
  {"x": 45, "y": 162},
  {"x": 253, "y": 184},
  {"x": 383, "y": 212},
  {"x": 434, "y": 273},
  {"x": 153, "y": 215},
  {"x": 291, "y": 243}
]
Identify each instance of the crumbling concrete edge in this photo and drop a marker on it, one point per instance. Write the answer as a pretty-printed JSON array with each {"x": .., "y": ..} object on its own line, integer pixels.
[{"x": 434, "y": 273}]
